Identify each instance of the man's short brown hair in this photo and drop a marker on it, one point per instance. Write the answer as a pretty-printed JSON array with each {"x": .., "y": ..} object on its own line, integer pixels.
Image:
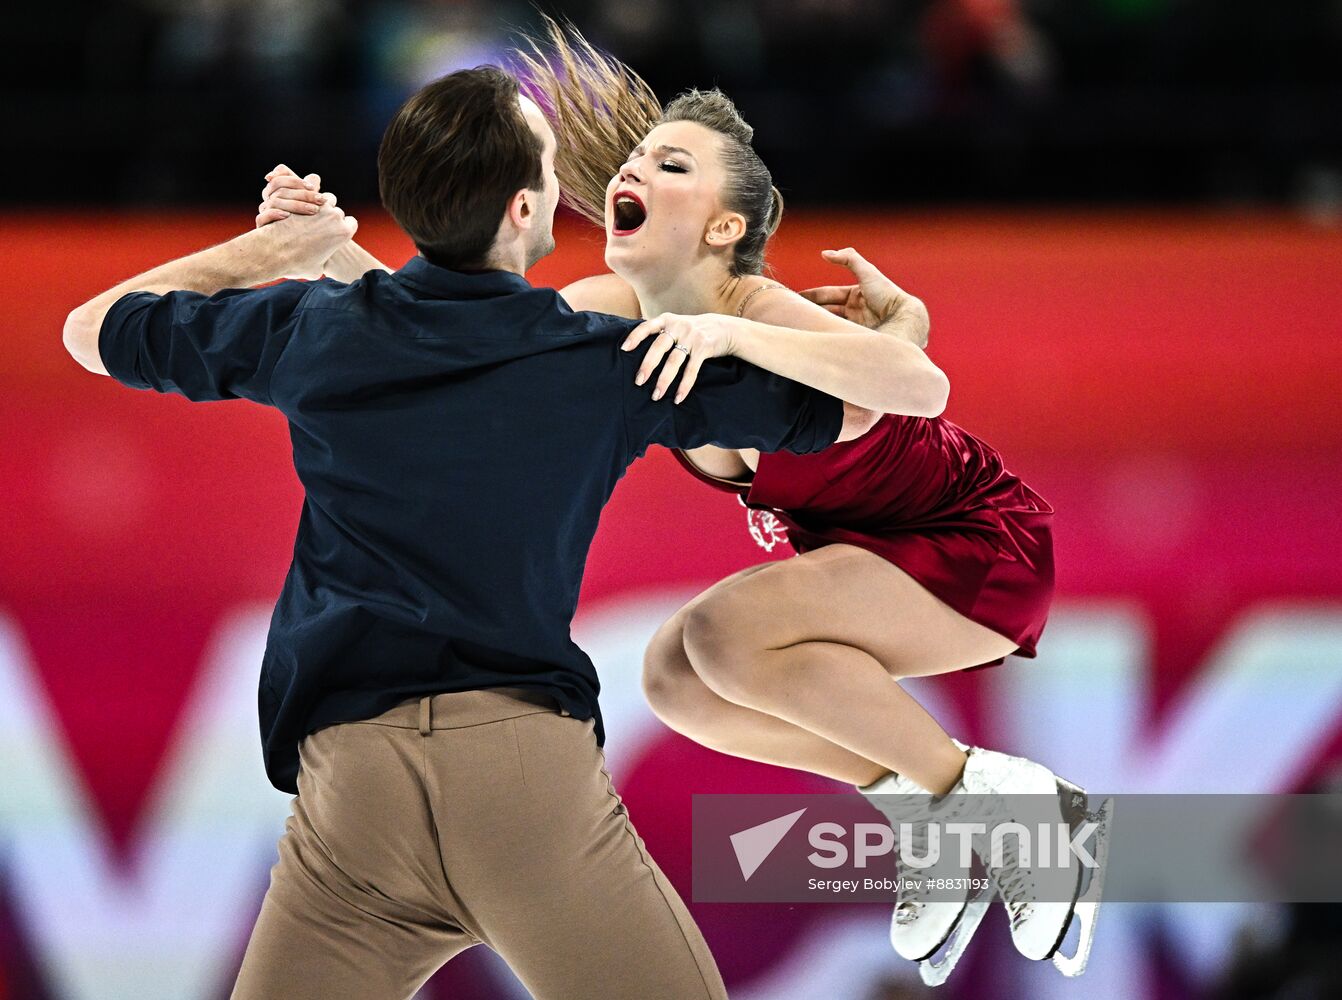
[{"x": 451, "y": 159}]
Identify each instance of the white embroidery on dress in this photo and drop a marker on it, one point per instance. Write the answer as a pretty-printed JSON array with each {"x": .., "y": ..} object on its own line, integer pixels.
[{"x": 764, "y": 526}]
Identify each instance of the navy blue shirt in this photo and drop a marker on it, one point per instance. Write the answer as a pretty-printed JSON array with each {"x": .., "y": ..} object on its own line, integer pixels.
[{"x": 456, "y": 436}]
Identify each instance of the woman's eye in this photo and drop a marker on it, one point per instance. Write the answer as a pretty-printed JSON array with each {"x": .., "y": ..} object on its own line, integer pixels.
[{"x": 675, "y": 168}]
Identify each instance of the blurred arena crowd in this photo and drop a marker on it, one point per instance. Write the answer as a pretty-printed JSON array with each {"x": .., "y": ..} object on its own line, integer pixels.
[{"x": 854, "y": 101}]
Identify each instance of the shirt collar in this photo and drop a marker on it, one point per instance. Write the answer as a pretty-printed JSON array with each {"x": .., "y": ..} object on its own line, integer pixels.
[{"x": 440, "y": 281}]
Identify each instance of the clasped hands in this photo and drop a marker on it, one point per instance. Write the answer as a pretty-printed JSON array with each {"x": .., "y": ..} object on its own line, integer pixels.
[{"x": 301, "y": 225}]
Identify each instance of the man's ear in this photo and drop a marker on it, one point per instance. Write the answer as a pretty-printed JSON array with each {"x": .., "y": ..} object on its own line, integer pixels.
[
  {"x": 522, "y": 208},
  {"x": 725, "y": 230}
]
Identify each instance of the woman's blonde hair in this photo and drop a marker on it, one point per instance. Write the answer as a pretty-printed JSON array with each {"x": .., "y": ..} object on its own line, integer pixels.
[{"x": 600, "y": 109}]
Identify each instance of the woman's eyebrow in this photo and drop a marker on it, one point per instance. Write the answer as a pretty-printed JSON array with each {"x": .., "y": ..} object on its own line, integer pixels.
[{"x": 674, "y": 149}]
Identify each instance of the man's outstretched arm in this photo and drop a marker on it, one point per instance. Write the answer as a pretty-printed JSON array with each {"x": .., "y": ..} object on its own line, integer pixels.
[{"x": 296, "y": 248}]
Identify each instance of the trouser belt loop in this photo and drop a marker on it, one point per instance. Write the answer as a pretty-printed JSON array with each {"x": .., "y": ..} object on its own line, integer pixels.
[{"x": 425, "y": 715}]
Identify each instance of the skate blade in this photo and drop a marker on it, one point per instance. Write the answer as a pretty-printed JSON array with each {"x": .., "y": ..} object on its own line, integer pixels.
[
  {"x": 934, "y": 971},
  {"x": 1087, "y": 907}
]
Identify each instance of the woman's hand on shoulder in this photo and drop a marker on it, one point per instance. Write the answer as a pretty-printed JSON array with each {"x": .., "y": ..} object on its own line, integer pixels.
[{"x": 684, "y": 343}]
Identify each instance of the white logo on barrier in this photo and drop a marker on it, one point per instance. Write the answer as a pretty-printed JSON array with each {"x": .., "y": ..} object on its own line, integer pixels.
[{"x": 171, "y": 926}]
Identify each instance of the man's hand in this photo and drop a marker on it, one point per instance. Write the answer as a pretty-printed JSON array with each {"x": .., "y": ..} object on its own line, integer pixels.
[
  {"x": 300, "y": 245},
  {"x": 875, "y": 301},
  {"x": 684, "y": 342},
  {"x": 287, "y": 194}
]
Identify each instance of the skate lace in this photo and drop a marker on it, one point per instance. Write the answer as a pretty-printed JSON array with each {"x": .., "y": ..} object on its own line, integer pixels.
[
  {"x": 912, "y": 894},
  {"x": 1015, "y": 883}
]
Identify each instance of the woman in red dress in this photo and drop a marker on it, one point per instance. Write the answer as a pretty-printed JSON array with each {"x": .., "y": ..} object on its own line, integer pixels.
[{"x": 918, "y": 553}]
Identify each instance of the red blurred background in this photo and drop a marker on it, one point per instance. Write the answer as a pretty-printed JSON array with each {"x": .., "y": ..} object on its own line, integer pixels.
[{"x": 1171, "y": 383}]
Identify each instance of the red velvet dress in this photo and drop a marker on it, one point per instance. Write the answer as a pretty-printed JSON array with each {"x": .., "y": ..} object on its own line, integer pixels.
[{"x": 931, "y": 498}]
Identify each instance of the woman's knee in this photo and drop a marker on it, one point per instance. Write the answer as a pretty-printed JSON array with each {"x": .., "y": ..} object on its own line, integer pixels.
[
  {"x": 668, "y": 676},
  {"x": 721, "y": 643},
  {"x": 708, "y": 634}
]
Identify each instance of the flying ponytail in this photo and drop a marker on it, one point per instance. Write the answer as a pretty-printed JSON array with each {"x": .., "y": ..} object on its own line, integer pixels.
[{"x": 600, "y": 109}]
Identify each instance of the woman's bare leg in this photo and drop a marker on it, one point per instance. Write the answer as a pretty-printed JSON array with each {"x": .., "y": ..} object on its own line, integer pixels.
[
  {"x": 684, "y": 702},
  {"x": 792, "y": 663}
]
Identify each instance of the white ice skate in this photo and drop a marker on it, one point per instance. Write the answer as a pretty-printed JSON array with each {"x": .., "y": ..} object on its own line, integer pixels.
[
  {"x": 1076, "y": 809},
  {"x": 926, "y": 922},
  {"x": 1042, "y": 899}
]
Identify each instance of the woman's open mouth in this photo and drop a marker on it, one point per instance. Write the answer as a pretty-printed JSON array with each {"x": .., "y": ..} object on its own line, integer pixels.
[{"x": 628, "y": 212}]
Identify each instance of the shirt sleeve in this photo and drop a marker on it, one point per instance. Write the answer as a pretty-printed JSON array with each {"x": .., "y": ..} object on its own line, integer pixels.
[
  {"x": 733, "y": 405},
  {"x": 222, "y": 346}
]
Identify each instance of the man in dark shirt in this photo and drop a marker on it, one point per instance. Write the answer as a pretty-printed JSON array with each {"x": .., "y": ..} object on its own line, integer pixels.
[{"x": 457, "y": 433}]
